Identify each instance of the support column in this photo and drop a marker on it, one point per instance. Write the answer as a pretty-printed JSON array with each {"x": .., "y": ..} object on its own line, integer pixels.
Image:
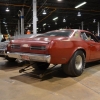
[
  {"x": 98, "y": 28},
  {"x": 18, "y": 26},
  {"x": 22, "y": 21},
  {"x": 34, "y": 17},
  {"x": 1, "y": 36},
  {"x": 82, "y": 25},
  {"x": 0, "y": 27}
]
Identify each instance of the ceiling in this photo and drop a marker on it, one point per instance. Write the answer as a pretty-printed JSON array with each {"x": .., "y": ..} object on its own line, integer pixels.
[{"x": 64, "y": 9}]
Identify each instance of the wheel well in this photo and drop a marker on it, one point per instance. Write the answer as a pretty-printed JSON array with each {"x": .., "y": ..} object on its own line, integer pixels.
[{"x": 83, "y": 51}]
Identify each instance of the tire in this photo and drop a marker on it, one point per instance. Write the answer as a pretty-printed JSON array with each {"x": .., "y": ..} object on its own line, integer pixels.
[
  {"x": 76, "y": 64},
  {"x": 41, "y": 65},
  {"x": 10, "y": 59}
]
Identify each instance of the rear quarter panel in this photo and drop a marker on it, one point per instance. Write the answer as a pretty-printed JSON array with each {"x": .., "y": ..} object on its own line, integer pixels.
[{"x": 62, "y": 51}]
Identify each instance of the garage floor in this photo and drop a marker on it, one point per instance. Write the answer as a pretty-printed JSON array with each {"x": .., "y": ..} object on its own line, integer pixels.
[{"x": 55, "y": 86}]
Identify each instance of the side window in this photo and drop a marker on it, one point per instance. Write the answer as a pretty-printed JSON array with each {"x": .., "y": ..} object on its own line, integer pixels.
[
  {"x": 76, "y": 34},
  {"x": 83, "y": 36},
  {"x": 88, "y": 37},
  {"x": 91, "y": 37}
]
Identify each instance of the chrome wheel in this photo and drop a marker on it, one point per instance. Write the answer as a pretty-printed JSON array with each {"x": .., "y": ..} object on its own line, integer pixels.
[{"x": 78, "y": 62}]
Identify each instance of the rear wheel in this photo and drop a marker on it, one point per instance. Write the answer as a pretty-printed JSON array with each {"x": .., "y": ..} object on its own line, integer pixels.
[
  {"x": 41, "y": 65},
  {"x": 76, "y": 65}
]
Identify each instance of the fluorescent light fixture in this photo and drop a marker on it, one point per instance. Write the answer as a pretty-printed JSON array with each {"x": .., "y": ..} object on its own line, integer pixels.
[
  {"x": 59, "y": 0},
  {"x": 83, "y": 3},
  {"x": 7, "y": 10},
  {"x": 55, "y": 18}
]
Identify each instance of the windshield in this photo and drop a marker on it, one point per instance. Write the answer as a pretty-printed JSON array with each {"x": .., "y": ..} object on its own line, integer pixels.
[{"x": 57, "y": 33}]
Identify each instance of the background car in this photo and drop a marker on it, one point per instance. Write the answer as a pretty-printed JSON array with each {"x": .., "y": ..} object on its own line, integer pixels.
[
  {"x": 3, "y": 45},
  {"x": 71, "y": 48}
]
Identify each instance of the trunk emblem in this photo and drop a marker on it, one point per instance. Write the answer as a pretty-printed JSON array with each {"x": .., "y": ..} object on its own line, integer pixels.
[{"x": 25, "y": 45}]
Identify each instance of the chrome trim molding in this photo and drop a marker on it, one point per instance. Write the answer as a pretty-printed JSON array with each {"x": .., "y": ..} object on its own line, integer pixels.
[{"x": 32, "y": 57}]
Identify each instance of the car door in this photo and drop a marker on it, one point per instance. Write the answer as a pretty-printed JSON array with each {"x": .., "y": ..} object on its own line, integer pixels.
[{"x": 94, "y": 46}]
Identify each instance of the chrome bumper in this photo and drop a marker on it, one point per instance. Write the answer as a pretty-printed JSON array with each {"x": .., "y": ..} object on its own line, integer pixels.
[{"x": 30, "y": 57}]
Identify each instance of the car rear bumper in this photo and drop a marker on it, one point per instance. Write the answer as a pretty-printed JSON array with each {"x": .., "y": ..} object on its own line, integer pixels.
[{"x": 30, "y": 57}]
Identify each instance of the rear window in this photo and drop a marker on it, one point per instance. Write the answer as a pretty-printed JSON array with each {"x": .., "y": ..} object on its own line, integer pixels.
[{"x": 57, "y": 33}]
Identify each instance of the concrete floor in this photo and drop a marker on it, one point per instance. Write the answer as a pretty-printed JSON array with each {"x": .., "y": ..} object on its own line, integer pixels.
[{"x": 55, "y": 86}]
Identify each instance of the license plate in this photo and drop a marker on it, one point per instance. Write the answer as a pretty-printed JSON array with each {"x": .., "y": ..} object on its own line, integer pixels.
[{"x": 25, "y": 57}]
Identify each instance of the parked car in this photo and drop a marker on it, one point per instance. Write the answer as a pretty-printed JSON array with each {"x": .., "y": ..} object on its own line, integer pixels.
[
  {"x": 3, "y": 46},
  {"x": 72, "y": 48}
]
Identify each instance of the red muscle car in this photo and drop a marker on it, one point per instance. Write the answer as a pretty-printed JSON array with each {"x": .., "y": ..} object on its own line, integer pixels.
[{"x": 71, "y": 48}]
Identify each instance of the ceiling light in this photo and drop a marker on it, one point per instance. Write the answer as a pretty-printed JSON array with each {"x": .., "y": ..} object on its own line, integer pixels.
[
  {"x": 4, "y": 22},
  {"x": 37, "y": 19},
  {"x": 55, "y": 18},
  {"x": 26, "y": 28},
  {"x": 48, "y": 25},
  {"x": 44, "y": 12},
  {"x": 94, "y": 20},
  {"x": 44, "y": 24},
  {"x": 83, "y": 3},
  {"x": 5, "y": 25},
  {"x": 29, "y": 25},
  {"x": 87, "y": 29},
  {"x": 7, "y": 10},
  {"x": 64, "y": 20},
  {"x": 79, "y": 14},
  {"x": 59, "y": 0},
  {"x": 55, "y": 23}
]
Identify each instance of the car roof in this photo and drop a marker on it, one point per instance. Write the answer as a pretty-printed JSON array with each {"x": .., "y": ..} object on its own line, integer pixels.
[{"x": 68, "y": 29}]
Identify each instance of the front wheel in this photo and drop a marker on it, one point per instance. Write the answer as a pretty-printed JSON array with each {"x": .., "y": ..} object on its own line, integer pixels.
[
  {"x": 76, "y": 64},
  {"x": 41, "y": 65}
]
